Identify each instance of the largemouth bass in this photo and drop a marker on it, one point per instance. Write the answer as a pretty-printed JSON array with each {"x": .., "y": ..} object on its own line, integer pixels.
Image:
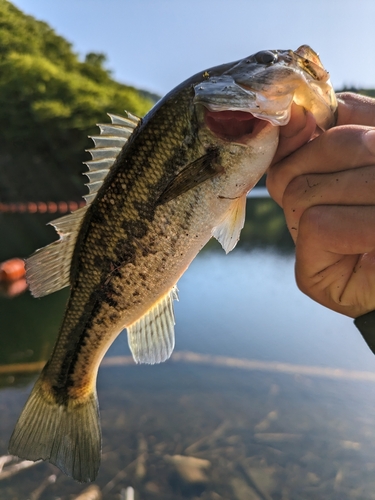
[{"x": 160, "y": 187}]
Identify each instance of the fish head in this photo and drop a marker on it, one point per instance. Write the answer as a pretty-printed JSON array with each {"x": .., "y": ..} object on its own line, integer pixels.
[{"x": 263, "y": 87}]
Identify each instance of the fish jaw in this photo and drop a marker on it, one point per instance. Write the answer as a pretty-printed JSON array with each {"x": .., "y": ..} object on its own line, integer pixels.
[{"x": 267, "y": 83}]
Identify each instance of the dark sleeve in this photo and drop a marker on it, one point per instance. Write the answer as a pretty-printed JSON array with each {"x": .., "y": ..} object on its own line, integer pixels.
[{"x": 366, "y": 325}]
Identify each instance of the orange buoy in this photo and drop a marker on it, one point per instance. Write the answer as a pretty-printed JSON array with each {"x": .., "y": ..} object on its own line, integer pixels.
[
  {"x": 12, "y": 270},
  {"x": 10, "y": 289}
]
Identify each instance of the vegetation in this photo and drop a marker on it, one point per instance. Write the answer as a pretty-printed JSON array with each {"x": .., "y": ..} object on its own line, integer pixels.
[
  {"x": 368, "y": 92},
  {"x": 49, "y": 102}
]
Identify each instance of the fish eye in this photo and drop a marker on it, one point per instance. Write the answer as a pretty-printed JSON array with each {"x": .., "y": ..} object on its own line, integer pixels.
[{"x": 265, "y": 57}]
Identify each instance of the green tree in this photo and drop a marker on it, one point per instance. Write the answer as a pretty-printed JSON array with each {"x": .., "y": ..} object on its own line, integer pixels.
[{"x": 49, "y": 102}]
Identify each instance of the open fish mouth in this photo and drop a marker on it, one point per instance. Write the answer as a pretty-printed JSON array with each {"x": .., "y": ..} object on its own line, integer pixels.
[
  {"x": 233, "y": 125},
  {"x": 265, "y": 85}
]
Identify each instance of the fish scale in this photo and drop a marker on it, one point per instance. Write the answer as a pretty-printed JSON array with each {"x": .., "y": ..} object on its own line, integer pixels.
[
  {"x": 106, "y": 239},
  {"x": 182, "y": 176}
]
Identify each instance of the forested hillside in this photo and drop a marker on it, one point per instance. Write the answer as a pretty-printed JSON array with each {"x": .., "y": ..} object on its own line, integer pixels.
[{"x": 49, "y": 102}]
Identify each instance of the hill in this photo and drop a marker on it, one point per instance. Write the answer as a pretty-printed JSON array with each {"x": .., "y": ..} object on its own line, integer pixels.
[{"x": 50, "y": 102}]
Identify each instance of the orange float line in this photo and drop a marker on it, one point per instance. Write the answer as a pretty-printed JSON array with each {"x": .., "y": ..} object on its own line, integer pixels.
[{"x": 41, "y": 207}]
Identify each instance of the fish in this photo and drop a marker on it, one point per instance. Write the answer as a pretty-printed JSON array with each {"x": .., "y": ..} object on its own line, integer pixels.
[{"x": 160, "y": 187}]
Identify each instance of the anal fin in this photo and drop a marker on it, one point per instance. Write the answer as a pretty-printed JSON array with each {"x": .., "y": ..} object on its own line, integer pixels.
[
  {"x": 151, "y": 337},
  {"x": 228, "y": 231}
]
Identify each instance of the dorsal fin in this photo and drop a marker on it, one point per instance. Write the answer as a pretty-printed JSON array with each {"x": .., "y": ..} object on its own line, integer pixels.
[
  {"x": 48, "y": 269},
  {"x": 107, "y": 146}
]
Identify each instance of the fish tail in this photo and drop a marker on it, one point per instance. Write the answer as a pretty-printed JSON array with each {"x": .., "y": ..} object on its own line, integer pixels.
[{"x": 65, "y": 433}]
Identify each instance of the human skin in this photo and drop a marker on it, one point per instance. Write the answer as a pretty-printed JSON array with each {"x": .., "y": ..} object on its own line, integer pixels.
[{"x": 326, "y": 187}]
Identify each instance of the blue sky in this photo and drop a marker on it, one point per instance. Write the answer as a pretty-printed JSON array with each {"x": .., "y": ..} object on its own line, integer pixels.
[{"x": 156, "y": 44}]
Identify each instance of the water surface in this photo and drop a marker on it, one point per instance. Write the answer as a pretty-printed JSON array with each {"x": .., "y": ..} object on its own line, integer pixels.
[{"x": 257, "y": 433}]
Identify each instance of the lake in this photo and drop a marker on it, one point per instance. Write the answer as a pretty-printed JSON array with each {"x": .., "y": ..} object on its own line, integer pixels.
[{"x": 267, "y": 396}]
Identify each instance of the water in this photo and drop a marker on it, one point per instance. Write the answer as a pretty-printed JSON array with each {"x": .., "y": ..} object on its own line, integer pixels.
[{"x": 257, "y": 431}]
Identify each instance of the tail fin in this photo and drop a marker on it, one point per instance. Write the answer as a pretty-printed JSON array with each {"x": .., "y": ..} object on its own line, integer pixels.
[{"x": 68, "y": 435}]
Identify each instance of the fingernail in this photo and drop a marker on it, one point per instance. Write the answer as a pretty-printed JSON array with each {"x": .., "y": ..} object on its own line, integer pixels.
[{"x": 369, "y": 140}]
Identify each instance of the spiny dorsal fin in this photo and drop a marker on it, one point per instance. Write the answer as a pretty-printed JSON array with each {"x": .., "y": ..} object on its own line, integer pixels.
[
  {"x": 228, "y": 231},
  {"x": 48, "y": 269},
  {"x": 107, "y": 146},
  {"x": 151, "y": 338}
]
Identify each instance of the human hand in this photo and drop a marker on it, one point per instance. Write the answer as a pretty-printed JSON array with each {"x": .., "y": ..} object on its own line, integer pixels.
[{"x": 327, "y": 191}]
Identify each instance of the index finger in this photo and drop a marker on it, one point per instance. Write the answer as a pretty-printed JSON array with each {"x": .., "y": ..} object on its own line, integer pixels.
[
  {"x": 355, "y": 109},
  {"x": 340, "y": 148},
  {"x": 352, "y": 109}
]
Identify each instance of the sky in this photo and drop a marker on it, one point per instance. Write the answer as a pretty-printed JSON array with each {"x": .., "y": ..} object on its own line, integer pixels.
[{"x": 156, "y": 44}]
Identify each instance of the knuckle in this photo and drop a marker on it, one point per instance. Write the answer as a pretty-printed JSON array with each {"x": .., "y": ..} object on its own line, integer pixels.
[
  {"x": 295, "y": 189},
  {"x": 311, "y": 222},
  {"x": 347, "y": 96},
  {"x": 274, "y": 184}
]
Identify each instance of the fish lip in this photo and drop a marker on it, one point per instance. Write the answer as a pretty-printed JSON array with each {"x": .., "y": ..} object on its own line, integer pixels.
[{"x": 233, "y": 125}]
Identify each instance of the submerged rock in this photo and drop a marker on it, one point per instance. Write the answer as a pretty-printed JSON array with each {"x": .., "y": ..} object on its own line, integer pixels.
[{"x": 190, "y": 469}]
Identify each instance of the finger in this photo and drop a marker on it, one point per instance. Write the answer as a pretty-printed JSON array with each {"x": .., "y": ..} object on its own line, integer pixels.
[
  {"x": 352, "y": 109},
  {"x": 340, "y": 148},
  {"x": 335, "y": 262},
  {"x": 299, "y": 130},
  {"x": 355, "y": 109},
  {"x": 348, "y": 187}
]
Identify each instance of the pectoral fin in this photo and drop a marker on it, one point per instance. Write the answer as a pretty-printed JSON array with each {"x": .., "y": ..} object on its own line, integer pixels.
[
  {"x": 229, "y": 230},
  {"x": 192, "y": 175},
  {"x": 151, "y": 338}
]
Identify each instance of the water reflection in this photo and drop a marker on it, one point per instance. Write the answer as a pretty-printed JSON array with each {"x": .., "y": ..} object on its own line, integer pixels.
[
  {"x": 216, "y": 431},
  {"x": 248, "y": 305},
  {"x": 28, "y": 328}
]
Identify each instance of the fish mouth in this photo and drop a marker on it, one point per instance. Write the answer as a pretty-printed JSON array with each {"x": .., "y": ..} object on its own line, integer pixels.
[{"x": 233, "y": 126}]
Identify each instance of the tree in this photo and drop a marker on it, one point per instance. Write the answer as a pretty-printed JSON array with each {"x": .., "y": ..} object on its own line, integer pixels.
[{"x": 50, "y": 102}]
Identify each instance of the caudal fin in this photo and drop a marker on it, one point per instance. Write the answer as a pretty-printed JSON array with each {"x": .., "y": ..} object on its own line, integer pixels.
[{"x": 68, "y": 435}]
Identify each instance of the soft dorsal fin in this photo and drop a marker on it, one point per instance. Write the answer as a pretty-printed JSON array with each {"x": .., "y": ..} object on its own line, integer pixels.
[
  {"x": 228, "y": 231},
  {"x": 151, "y": 338},
  {"x": 48, "y": 269}
]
